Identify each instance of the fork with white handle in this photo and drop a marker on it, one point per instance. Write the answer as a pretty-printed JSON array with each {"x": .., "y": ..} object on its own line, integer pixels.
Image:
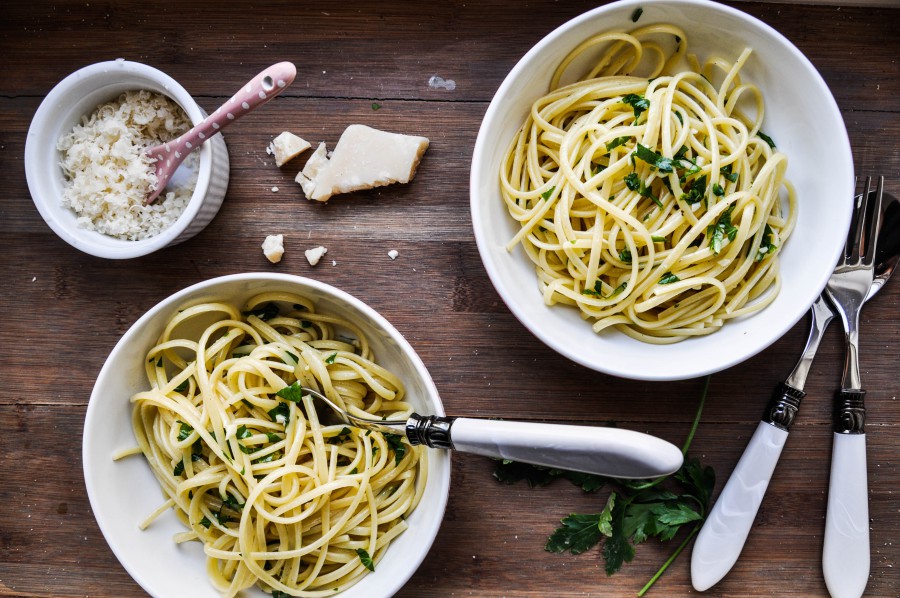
[
  {"x": 725, "y": 531},
  {"x": 845, "y": 556}
]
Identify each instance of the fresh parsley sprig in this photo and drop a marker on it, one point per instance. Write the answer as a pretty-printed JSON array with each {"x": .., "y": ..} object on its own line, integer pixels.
[{"x": 635, "y": 510}]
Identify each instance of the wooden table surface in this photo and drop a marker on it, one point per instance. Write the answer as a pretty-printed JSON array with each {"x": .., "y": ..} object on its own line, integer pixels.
[{"x": 62, "y": 311}]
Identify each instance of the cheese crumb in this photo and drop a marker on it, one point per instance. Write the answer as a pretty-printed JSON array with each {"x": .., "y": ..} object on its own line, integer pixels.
[
  {"x": 363, "y": 158},
  {"x": 273, "y": 248},
  {"x": 315, "y": 254},
  {"x": 393, "y": 253},
  {"x": 286, "y": 147},
  {"x": 274, "y": 189}
]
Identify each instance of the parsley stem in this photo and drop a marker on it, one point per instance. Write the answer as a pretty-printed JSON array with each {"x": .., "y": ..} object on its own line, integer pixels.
[
  {"x": 672, "y": 558},
  {"x": 690, "y": 438}
]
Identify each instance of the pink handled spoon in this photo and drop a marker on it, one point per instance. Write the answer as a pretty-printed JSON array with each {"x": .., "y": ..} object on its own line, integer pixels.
[{"x": 255, "y": 93}]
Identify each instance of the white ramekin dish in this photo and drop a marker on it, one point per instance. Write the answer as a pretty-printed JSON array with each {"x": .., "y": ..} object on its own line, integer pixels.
[
  {"x": 78, "y": 95},
  {"x": 122, "y": 493},
  {"x": 800, "y": 113}
]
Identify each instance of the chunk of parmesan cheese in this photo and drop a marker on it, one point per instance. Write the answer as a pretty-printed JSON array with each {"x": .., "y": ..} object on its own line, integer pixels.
[
  {"x": 273, "y": 248},
  {"x": 364, "y": 158},
  {"x": 315, "y": 254},
  {"x": 286, "y": 147},
  {"x": 314, "y": 165}
]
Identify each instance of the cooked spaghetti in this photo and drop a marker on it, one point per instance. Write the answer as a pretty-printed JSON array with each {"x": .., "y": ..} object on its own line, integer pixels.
[
  {"x": 646, "y": 194},
  {"x": 278, "y": 498}
]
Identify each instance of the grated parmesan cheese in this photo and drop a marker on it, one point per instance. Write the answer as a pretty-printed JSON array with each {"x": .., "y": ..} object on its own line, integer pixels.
[{"x": 108, "y": 173}]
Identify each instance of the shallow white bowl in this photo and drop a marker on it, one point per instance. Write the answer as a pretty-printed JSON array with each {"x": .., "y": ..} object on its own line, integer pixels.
[
  {"x": 123, "y": 493},
  {"x": 78, "y": 95},
  {"x": 801, "y": 115}
]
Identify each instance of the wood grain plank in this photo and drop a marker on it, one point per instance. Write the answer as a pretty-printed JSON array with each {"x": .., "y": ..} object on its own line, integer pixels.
[{"x": 384, "y": 50}]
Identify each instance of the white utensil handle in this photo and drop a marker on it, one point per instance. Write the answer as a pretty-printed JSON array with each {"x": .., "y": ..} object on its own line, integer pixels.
[
  {"x": 722, "y": 537},
  {"x": 603, "y": 451},
  {"x": 845, "y": 557}
]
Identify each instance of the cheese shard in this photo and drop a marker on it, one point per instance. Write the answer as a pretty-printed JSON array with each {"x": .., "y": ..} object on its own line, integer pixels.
[
  {"x": 307, "y": 176},
  {"x": 365, "y": 158},
  {"x": 273, "y": 248},
  {"x": 286, "y": 147},
  {"x": 315, "y": 254}
]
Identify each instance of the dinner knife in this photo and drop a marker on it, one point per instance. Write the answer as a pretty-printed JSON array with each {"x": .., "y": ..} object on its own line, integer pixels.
[{"x": 722, "y": 537}]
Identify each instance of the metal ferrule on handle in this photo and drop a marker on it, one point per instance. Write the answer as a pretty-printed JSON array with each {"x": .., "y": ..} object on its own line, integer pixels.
[
  {"x": 431, "y": 430},
  {"x": 850, "y": 411},
  {"x": 783, "y": 406}
]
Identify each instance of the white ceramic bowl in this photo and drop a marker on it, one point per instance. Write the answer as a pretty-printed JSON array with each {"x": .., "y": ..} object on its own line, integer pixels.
[
  {"x": 800, "y": 113},
  {"x": 122, "y": 493},
  {"x": 78, "y": 95}
]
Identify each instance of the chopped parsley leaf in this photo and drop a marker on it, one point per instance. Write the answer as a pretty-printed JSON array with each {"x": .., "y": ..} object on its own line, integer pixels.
[
  {"x": 726, "y": 172},
  {"x": 634, "y": 183},
  {"x": 205, "y": 522},
  {"x": 179, "y": 468},
  {"x": 546, "y": 194},
  {"x": 597, "y": 291},
  {"x": 330, "y": 359},
  {"x": 266, "y": 312},
  {"x": 696, "y": 192},
  {"x": 766, "y": 138},
  {"x": 365, "y": 559},
  {"x": 639, "y": 104},
  {"x": 184, "y": 431},
  {"x": 610, "y": 145},
  {"x": 767, "y": 246},
  {"x": 636, "y": 14},
  {"x": 292, "y": 393},
  {"x": 654, "y": 159},
  {"x": 341, "y": 436},
  {"x": 376, "y": 106},
  {"x": 395, "y": 442},
  {"x": 281, "y": 413},
  {"x": 718, "y": 190},
  {"x": 243, "y": 432},
  {"x": 183, "y": 386},
  {"x": 721, "y": 229},
  {"x": 625, "y": 256},
  {"x": 668, "y": 278}
]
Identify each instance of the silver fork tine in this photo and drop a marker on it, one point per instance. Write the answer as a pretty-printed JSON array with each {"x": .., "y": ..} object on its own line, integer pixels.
[
  {"x": 873, "y": 226},
  {"x": 852, "y": 250}
]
